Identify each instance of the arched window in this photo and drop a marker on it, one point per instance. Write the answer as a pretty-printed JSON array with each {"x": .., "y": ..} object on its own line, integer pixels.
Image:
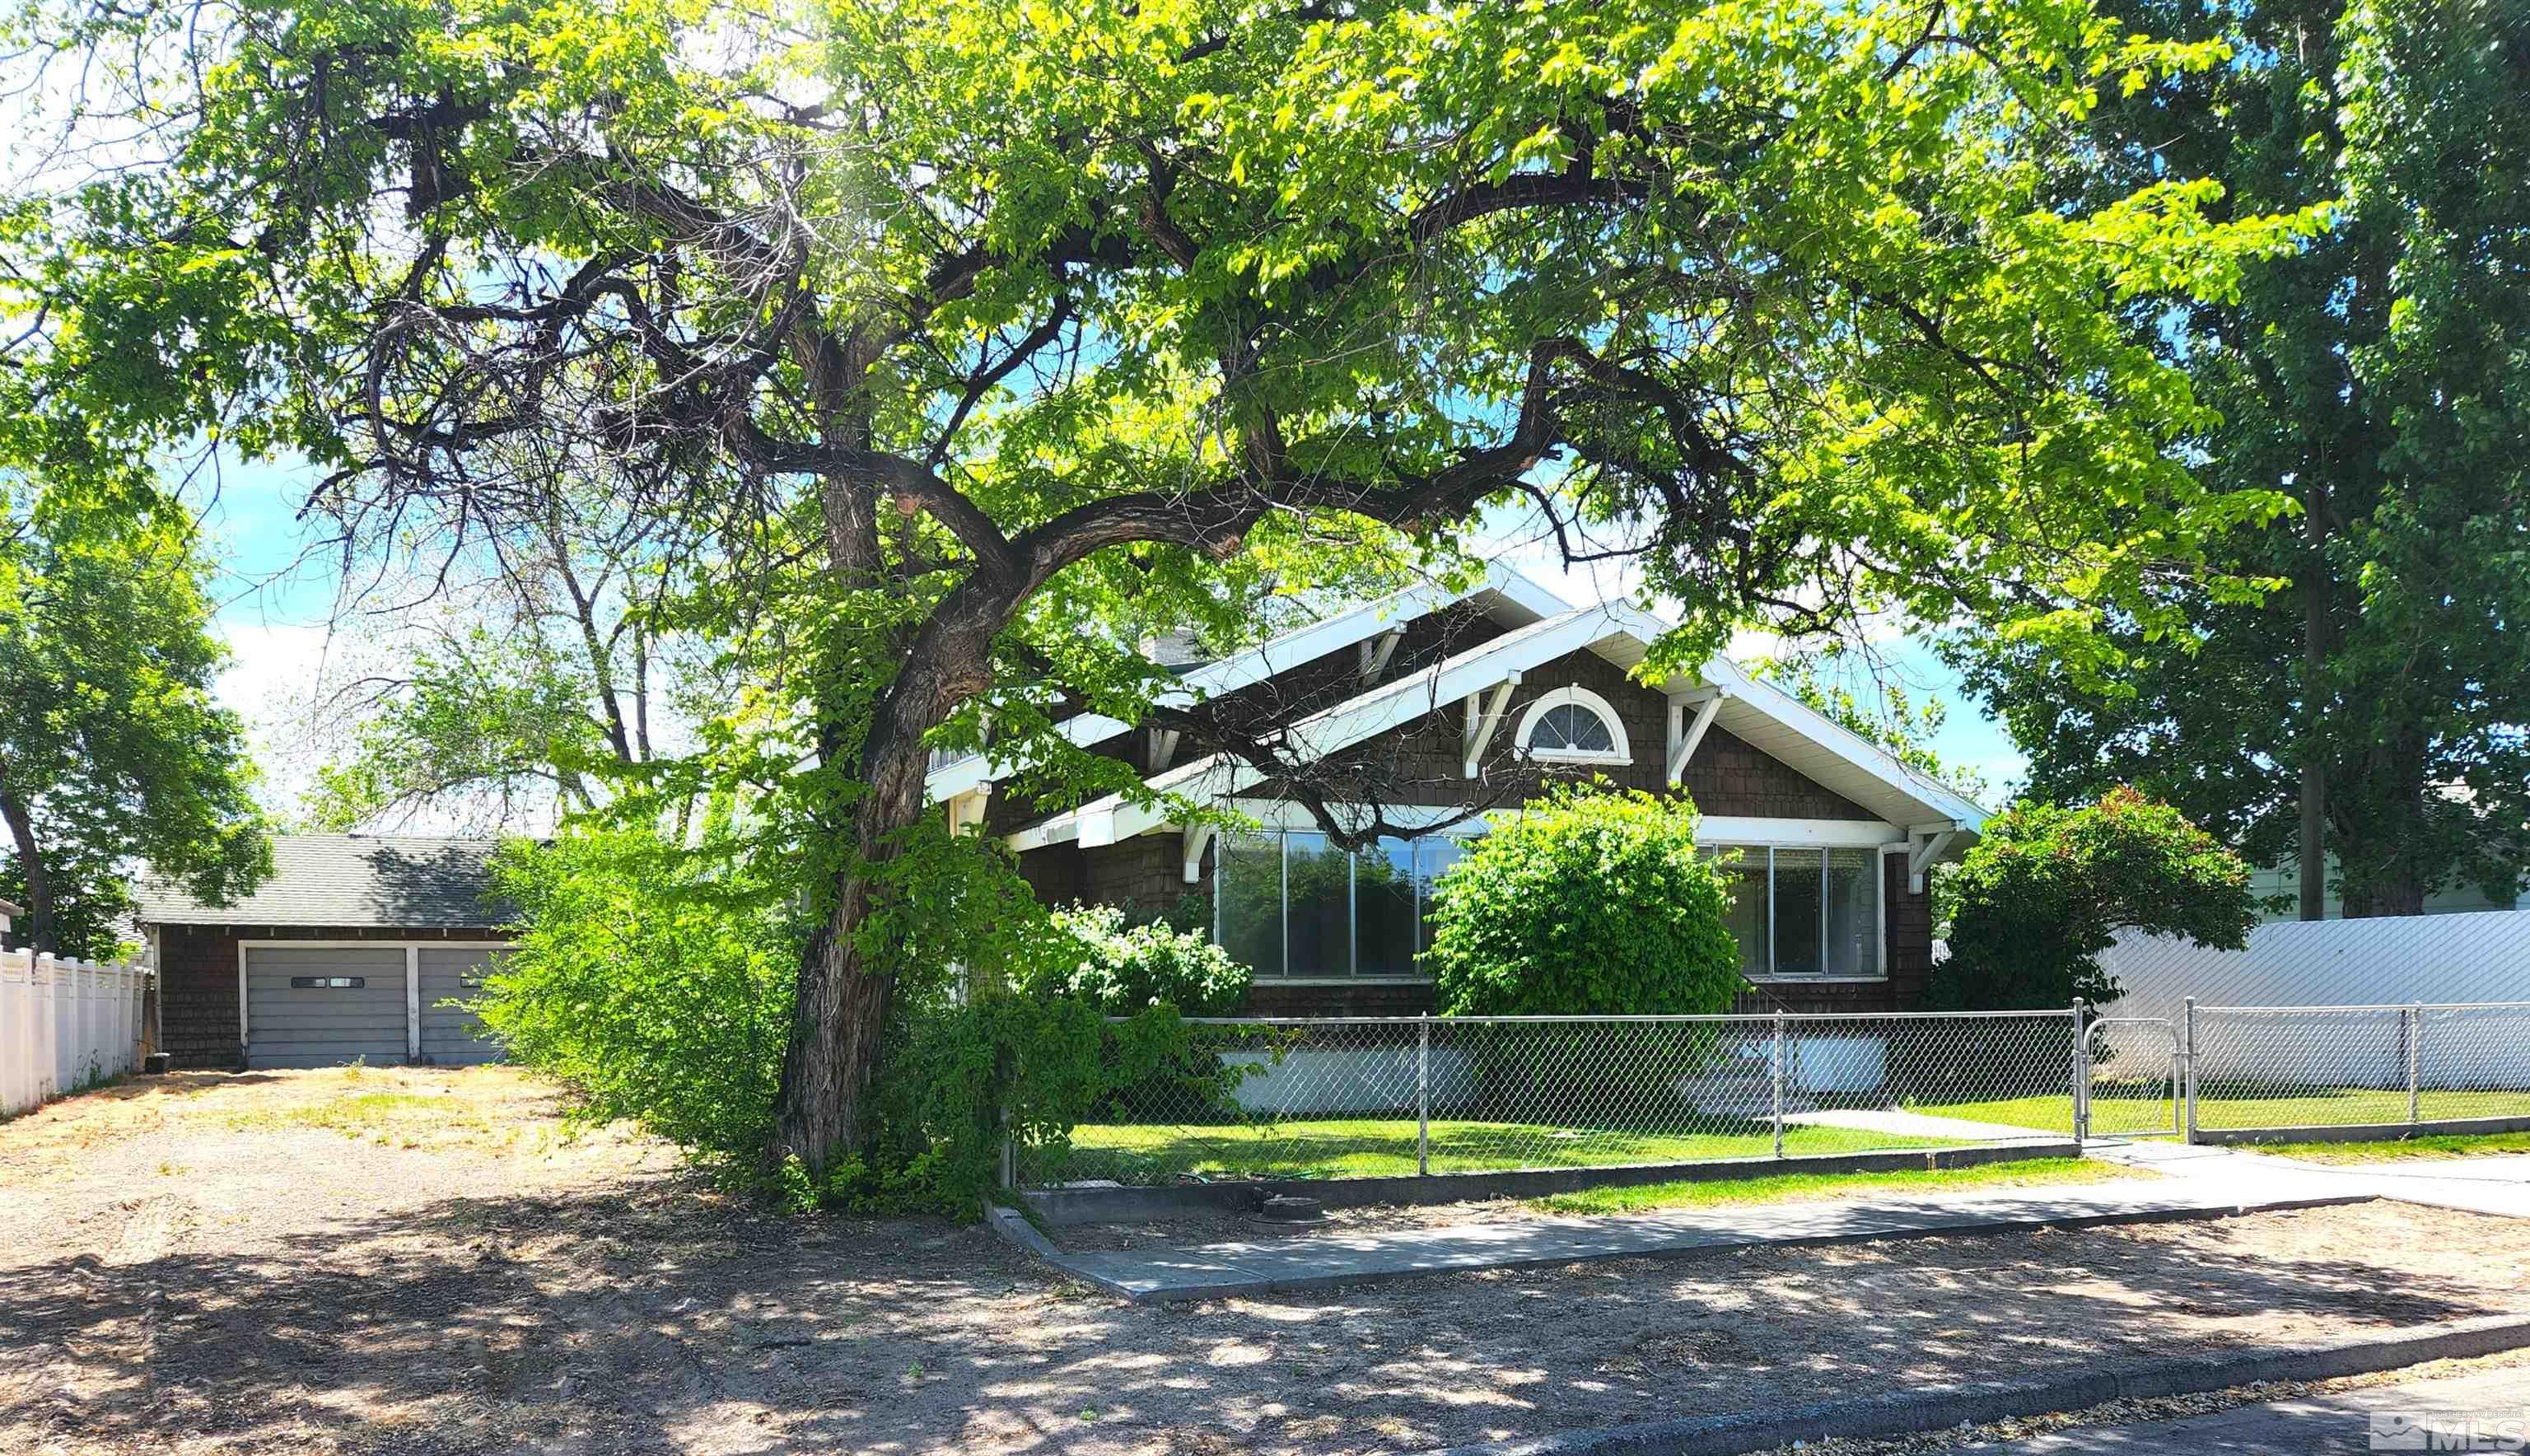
[{"x": 1573, "y": 726}]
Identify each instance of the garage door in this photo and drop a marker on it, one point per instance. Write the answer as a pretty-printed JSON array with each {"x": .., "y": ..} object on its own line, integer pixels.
[
  {"x": 324, "y": 1006},
  {"x": 449, "y": 1034}
]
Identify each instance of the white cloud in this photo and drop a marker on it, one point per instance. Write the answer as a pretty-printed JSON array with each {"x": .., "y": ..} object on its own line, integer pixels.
[{"x": 274, "y": 673}]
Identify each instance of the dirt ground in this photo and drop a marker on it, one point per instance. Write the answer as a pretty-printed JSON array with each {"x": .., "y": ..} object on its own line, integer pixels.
[{"x": 422, "y": 1263}]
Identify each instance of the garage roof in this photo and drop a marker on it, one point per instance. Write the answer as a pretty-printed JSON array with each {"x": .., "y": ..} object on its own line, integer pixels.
[{"x": 354, "y": 882}]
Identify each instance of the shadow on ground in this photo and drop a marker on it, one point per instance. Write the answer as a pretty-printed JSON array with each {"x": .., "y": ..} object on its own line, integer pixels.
[{"x": 648, "y": 1316}]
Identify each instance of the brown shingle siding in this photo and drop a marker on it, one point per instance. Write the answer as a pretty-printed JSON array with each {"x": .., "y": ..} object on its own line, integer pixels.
[{"x": 1420, "y": 762}]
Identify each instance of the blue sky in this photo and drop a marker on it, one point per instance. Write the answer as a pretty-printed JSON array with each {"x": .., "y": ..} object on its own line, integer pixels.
[{"x": 277, "y": 590}]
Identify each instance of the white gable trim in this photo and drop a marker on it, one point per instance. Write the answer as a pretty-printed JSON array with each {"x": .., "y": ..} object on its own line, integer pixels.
[
  {"x": 1364, "y": 626},
  {"x": 1766, "y": 717},
  {"x": 1748, "y": 700},
  {"x": 1217, "y": 775}
]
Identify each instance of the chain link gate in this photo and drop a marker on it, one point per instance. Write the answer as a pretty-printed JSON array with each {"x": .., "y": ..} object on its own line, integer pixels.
[{"x": 2134, "y": 1083}]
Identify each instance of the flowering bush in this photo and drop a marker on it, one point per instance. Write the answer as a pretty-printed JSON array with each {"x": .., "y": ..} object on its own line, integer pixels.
[{"x": 1122, "y": 969}]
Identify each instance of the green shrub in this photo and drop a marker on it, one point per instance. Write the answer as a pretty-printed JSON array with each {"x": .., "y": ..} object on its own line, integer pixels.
[
  {"x": 1589, "y": 901},
  {"x": 2046, "y": 889},
  {"x": 1122, "y": 969},
  {"x": 657, "y": 983}
]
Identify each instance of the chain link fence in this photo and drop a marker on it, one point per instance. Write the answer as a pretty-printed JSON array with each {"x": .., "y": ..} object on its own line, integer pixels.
[
  {"x": 1347, "y": 1097},
  {"x": 2283, "y": 1068}
]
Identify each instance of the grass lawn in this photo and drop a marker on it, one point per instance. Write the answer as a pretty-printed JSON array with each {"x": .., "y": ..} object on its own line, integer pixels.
[
  {"x": 2425, "y": 1144},
  {"x": 2110, "y": 1112},
  {"x": 2348, "y": 1105},
  {"x": 2031, "y": 1173},
  {"x": 2219, "y": 1108},
  {"x": 1369, "y": 1147}
]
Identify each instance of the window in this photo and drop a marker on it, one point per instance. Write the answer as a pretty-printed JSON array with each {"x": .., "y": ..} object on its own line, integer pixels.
[
  {"x": 1573, "y": 726},
  {"x": 1292, "y": 904},
  {"x": 1248, "y": 900},
  {"x": 1800, "y": 912},
  {"x": 328, "y": 983}
]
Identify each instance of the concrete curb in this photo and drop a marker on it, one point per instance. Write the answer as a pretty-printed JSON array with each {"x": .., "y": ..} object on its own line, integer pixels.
[
  {"x": 1945, "y": 1406},
  {"x": 1064, "y": 1208},
  {"x": 1013, "y": 1228},
  {"x": 2365, "y": 1132}
]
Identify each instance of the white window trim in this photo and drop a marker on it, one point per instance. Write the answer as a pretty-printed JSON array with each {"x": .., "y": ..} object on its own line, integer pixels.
[
  {"x": 1576, "y": 697},
  {"x": 1879, "y": 912},
  {"x": 1281, "y": 838}
]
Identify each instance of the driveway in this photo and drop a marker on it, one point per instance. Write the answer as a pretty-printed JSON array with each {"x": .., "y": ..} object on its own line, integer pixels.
[{"x": 429, "y": 1263}]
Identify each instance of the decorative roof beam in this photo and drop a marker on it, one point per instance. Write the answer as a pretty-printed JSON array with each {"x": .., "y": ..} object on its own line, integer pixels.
[
  {"x": 1376, "y": 652},
  {"x": 1483, "y": 720},
  {"x": 1198, "y": 838},
  {"x": 1926, "y": 848},
  {"x": 1683, "y": 735}
]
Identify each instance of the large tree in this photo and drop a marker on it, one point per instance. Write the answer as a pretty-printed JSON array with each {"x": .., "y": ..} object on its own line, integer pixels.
[
  {"x": 969, "y": 343},
  {"x": 114, "y": 752},
  {"x": 540, "y": 677},
  {"x": 2381, "y": 373}
]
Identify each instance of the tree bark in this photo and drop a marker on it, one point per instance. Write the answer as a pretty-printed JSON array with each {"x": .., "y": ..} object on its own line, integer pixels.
[
  {"x": 41, "y": 933},
  {"x": 839, "y": 1025}
]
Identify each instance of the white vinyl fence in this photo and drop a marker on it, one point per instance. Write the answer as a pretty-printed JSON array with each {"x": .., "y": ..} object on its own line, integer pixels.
[
  {"x": 64, "y": 1025},
  {"x": 2374, "y": 970}
]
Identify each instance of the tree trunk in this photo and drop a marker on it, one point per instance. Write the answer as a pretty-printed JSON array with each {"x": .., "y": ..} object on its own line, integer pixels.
[
  {"x": 2400, "y": 892},
  {"x": 2314, "y": 701},
  {"x": 840, "y": 1022},
  {"x": 2393, "y": 880},
  {"x": 839, "y": 1025},
  {"x": 42, "y": 935},
  {"x": 835, "y": 1036}
]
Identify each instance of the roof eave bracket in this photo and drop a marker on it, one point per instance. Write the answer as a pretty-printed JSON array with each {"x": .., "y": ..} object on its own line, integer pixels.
[
  {"x": 1483, "y": 719},
  {"x": 1685, "y": 734},
  {"x": 1923, "y": 850}
]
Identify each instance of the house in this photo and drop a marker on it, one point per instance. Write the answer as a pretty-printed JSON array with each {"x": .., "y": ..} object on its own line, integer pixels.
[
  {"x": 1455, "y": 699},
  {"x": 8, "y": 911},
  {"x": 346, "y": 953},
  {"x": 2278, "y": 888}
]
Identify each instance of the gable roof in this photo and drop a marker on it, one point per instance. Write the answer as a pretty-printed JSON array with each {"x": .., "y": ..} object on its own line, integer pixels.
[
  {"x": 1803, "y": 739},
  {"x": 1757, "y": 712},
  {"x": 357, "y": 881},
  {"x": 1503, "y": 593}
]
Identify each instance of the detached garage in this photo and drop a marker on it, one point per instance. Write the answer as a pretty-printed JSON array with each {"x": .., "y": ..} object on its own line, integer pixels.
[{"x": 347, "y": 953}]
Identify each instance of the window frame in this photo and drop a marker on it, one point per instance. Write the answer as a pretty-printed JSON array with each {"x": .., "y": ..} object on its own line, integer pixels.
[
  {"x": 1352, "y": 976},
  {"x": 1879, "y": 879},
  {"x": 1281, "y": 831},
  {"x": 1620, "y": 755}
]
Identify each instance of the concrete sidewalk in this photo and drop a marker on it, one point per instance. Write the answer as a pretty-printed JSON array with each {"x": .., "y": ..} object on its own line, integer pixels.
[
  {"x": 1322, "y": 1262},
  {"x": 2466, "y": 1412},
  {"x": 2196, "y": 1184},
  {"x": 2499, "y": 1185}
]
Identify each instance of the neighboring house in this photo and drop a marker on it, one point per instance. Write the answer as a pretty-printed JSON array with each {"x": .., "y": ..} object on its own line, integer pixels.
[
  {"x": 345, "y": 954},
  {"x": 1456, "y": 695},
  {"x": 6, "y": 912},
  {"x": 2282, "y": 882}
]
